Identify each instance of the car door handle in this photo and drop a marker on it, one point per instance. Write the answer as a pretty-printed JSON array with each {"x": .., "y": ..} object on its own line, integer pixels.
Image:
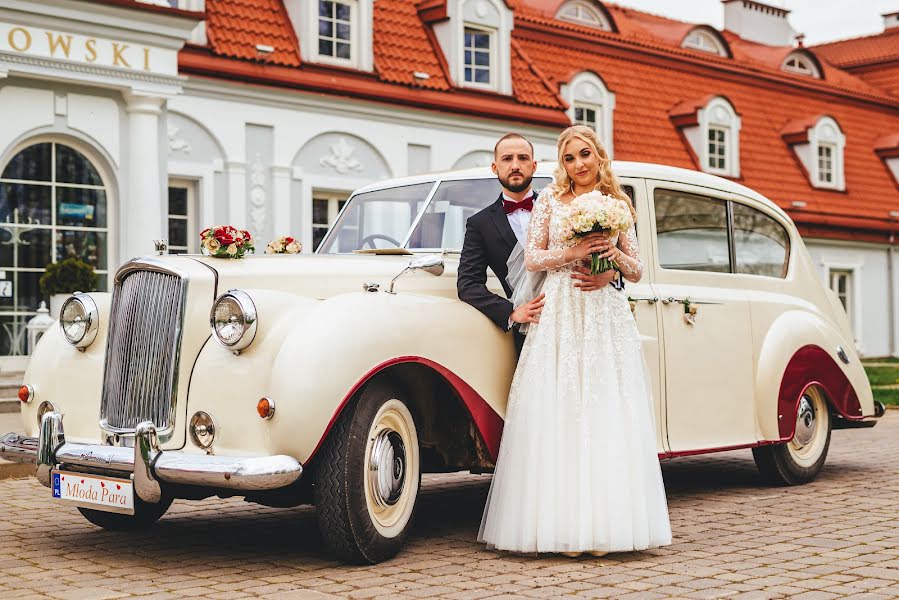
[
  {"x": 651, "y": 300},
  {"x": 672, "y": 299}
]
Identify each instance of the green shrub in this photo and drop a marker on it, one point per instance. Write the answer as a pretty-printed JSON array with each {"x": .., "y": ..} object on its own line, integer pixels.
[{"x": 67, "y": 276}]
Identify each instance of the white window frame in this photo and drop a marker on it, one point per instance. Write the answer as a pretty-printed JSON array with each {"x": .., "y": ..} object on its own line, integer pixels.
[
  {"x": 585, "y": 14},
  {"x": 704, "y": 41},
  {"x": 487, "y": 15},
  {"x": 826, "y": 164},
  {"x": 193, "y": 230},
  {"x": 304, "y": 16},
  {"x": 596, "y": 123},
  {"x": 803, "y": 65},
  {"x": 717, "y": 144},
  {"x": 587, "y": 89},
  {"x": 354, "y": 46},
  {"x": 333, "y": 199},
  {"x": 855, "y": 268},
  {"x": 719, "y": 114},
  {"x": 492, "y": 53},
  {"x": 827, "y": 133}
]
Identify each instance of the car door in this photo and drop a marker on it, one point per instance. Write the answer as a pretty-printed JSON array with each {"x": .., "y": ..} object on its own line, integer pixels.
[
  {"x": 645, "y": 305},
  {"x": 707, "y": 355}
]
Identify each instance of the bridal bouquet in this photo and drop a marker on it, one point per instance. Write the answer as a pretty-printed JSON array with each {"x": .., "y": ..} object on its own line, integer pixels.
[
  {"x": 224, "y": 241},
  {"x": 595, "y": 212},
  {"x": 284, "y": 245}
]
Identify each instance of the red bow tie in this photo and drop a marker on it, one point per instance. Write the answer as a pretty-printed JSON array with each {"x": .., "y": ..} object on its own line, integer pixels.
[{"x": 526, "y": 204}]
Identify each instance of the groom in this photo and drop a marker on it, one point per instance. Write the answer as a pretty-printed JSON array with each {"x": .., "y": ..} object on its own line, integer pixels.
[{"x": 491, "y": 235}]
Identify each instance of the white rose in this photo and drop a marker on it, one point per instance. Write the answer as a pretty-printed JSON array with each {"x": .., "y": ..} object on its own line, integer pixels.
[
  {"x": 293, "y": 248},
  {"x": 232, "y": 250},
  {"x": 212, "y": 245}
]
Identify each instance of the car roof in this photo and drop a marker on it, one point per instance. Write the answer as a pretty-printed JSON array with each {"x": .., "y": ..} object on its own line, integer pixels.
[{"x": 620, "y": 167}]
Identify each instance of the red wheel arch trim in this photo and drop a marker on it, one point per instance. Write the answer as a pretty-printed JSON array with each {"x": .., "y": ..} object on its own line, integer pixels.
[
  {"x": 488, "y": 423},
  {"x": 811, "y": 365}
]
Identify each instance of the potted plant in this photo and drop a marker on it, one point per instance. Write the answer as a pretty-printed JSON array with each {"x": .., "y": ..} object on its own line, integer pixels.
[{"x": 65, "y": 277}]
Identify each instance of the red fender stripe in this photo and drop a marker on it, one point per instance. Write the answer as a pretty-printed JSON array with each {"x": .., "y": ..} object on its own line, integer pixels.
[
  {"x": 488, "y": 423},
  {"x": 811, "y": 365}
]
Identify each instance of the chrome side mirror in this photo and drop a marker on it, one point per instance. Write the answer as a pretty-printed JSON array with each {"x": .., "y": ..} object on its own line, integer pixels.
[{"x": 431, "y": 263}]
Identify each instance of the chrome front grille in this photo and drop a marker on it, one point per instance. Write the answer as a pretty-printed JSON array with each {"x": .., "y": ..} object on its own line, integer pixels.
[{"x": 140, "y": 379}]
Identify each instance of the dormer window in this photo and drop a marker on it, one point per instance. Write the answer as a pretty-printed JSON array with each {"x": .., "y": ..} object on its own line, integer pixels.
[
  {"x": 478, "y": 56},
  {"x": 711, "y": 126},
  {"x": 591, "y": 103},
  {"x": 704, "y": 40},
  {"x": 819, "y": 144},
  {"x": 583, "y": 12},
  {"x": 335, "y": 25},
  {"x": 476, "y": 39},
  {"x": 337, "y": 32},
  {"x": 802, "y": 64}
]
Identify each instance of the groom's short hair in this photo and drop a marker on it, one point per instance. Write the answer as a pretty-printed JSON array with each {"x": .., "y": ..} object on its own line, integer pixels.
[{"x": 510, "y": 136}]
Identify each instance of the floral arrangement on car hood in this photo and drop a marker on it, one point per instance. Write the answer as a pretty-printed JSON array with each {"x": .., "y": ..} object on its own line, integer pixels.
[
  {"x": 284, "y": 245},
  {"x": 225, "y": 241}
]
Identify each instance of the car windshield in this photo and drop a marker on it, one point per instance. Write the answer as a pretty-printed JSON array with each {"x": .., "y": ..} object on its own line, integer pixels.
[
  {"x": 383, "y": 218},
  {"x": 377, "y": 219}
]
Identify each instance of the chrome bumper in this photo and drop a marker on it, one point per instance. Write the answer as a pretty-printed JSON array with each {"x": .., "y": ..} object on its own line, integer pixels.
[{"x": 148, "y": 464}]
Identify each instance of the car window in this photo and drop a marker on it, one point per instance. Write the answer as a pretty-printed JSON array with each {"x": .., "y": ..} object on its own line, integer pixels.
[
  {"x": 761, "y": 244},
  {"x": 443, "y": 224},
  {"x": 377, "y": 219},
  {"x": 691, "y": 231}
]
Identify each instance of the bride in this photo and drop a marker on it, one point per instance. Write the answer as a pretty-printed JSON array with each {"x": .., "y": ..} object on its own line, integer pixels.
[{"x": 577, "y": 469}]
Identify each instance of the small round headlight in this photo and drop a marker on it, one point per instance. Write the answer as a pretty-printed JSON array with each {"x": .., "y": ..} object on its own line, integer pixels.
[
  {"x": 202, "y": 429},
  {"x": 233, "y": 320},
  {"x": 80, "y": 320}
]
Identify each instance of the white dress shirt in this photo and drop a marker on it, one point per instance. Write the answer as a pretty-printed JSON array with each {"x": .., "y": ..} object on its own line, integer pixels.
[{"x": 519, "y": 221}]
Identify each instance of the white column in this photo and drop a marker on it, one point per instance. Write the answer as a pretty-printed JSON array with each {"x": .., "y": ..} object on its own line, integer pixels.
[
  {"x": 143, "y": 206},
  {"x": 237, "y": 195},
  {"x": 281, "y": 177}
]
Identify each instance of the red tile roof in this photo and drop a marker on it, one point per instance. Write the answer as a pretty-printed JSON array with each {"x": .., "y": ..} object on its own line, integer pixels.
[
  {"x": 656, "y": 84},
  {"x": 236, "y": 27},
  {"x": 862, "y": 50}
]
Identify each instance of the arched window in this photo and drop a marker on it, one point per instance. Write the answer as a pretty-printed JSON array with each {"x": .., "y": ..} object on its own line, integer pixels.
[
  {"x": 53, "y": 205},
  {"x": 720, "y": 126},
  {"x": 590, "y": 103},
  {"x": 583, "y": 13},
  {"x": 801, "y": 63},
  {"x": 704, "y": 40}
]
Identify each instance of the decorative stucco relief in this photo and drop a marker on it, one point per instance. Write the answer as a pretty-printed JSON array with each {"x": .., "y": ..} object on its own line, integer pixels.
[
  {"x": 257, "y": 195},
  {"x": 341, "y": 157}
]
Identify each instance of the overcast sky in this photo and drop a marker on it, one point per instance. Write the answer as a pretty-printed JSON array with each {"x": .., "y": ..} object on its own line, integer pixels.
[{"x": 820, "y": 20}]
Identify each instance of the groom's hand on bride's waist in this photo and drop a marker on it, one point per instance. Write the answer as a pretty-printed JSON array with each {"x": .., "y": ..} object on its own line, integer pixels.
[
  {"x": 529, "y": 312},
  {"x": 586, "y": 282}
]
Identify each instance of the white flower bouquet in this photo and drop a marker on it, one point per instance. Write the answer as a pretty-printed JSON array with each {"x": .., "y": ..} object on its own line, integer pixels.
[
  {"x": 284, "y": 245},
  {"x": 594, "y": 212}
]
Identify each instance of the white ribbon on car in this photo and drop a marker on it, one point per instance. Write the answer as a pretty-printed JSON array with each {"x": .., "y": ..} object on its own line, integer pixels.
[{"x": 526, "y": 285}]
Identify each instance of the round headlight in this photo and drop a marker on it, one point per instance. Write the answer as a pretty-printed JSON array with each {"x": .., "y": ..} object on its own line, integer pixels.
[
  {"x": 80, "y": 320},
  {"x": 233, "y": 320}
]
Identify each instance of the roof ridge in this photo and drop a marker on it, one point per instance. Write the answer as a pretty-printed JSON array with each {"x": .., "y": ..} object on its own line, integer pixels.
[{"x": 885, "y": 32}]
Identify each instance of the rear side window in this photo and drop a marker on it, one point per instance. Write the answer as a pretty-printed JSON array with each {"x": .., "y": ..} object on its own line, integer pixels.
[
  {"x": 692, "y": 232},
  {"x": 761, "y": 244}
]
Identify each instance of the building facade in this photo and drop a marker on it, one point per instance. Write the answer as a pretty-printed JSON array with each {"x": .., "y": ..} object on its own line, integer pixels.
[{"x": 127, "y": 121}]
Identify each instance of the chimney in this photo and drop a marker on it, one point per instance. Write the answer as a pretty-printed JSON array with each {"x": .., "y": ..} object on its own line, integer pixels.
[
  {"x": 758, "y": 22},
  {"x": 890, "y": 20}
]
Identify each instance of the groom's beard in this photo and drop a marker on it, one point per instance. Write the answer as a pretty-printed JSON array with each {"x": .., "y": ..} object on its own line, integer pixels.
[{"x": 525, "y": 184}]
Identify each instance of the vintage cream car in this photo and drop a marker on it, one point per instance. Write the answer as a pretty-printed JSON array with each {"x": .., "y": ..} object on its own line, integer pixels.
[{"x": 337, "y": 379}]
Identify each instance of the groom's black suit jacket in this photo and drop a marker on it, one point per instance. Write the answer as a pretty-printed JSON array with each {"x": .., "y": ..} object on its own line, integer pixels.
[{"x": 489, "y": 241}]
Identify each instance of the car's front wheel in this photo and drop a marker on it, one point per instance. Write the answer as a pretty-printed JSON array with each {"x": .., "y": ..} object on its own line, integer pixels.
[
  {"x": 367, "y": 477},
  {"x": 145, "y": 514},
  {"x": 802, "y": 458}
]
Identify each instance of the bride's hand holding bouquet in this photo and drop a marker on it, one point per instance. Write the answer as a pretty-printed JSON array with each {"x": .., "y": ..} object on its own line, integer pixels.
[{"x": 599, "y": 219}]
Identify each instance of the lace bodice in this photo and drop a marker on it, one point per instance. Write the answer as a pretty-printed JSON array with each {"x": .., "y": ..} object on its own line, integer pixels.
[{"x": 546, "y": 248}]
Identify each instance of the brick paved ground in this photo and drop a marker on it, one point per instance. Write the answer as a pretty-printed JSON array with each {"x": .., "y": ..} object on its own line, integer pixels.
[{"x": 734, "y": 538}]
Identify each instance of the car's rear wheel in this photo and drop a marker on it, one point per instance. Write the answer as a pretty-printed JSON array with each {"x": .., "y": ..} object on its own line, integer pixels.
[
  {"x": 367, "y": 477},
  {"x": 802, "y": 458},
  {"x": 145, "y": 515}
]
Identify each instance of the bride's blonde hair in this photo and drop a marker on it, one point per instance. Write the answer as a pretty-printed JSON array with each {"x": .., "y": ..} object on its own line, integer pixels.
[{"x": 606, "y": 183}]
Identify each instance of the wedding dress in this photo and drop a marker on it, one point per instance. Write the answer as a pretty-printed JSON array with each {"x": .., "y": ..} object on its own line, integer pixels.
[{"x": 577, "y": 469}]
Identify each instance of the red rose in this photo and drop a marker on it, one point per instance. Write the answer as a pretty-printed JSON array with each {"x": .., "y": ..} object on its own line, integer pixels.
[
  {"x": 246, "y": 234},
  {"x": 289, "y": 240},
  {"x": 224, "y": 237},
  {"x": 205, "y": 231}
]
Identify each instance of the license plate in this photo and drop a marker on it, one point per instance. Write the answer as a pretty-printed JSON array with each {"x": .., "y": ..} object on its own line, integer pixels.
[{"x": 90, "y": 491}]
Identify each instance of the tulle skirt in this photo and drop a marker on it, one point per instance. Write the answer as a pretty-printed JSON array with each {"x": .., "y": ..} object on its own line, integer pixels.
[{"x": 578, "y": 468}]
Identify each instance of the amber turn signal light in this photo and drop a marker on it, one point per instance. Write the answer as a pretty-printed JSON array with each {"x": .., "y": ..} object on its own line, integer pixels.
[
  {"x": 26, "y": 393},
  {"x": 266, "y": 408}
]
